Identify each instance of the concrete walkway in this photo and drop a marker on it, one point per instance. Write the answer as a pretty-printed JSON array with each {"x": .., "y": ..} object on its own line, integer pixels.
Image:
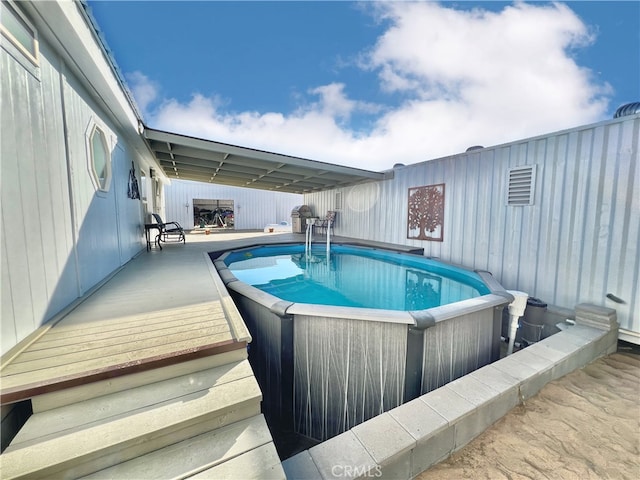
[{"x": 585, "y": 425}]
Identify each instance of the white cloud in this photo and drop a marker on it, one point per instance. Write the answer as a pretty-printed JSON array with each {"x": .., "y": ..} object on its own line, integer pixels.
[
  {"x": 467, "y": 78},
  {"x": 143, "y": 89}
]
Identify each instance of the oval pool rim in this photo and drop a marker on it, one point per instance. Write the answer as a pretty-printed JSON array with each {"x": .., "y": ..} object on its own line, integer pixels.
[{"x": 497, "y": 296}]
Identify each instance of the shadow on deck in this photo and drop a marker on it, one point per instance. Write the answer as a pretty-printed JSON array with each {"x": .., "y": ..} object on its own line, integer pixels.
[{"x": 151, "y": 365}]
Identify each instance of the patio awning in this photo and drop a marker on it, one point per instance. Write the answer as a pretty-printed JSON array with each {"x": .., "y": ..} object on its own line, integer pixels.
[{"x": 189, "y": 158}]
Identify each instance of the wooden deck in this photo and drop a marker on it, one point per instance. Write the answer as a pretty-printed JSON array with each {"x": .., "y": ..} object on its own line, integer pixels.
[
  {"x": 162, "y": 308},
  {"x": 148, "y": 377}
]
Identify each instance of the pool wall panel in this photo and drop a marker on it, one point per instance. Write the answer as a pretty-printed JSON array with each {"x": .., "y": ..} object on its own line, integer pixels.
[
  {"x": 322, "y": 375},
  {"x": 346, "y": 372},
  {"x": 456, "y": 347},
  {"x": 265, "y": 353},
  {"x": 325, "y": 369}
]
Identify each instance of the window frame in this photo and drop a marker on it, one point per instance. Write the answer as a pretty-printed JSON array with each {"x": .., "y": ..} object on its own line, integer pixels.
[
  {"x": 33, "y": 57},
  {"x": 100, "y": 184}
]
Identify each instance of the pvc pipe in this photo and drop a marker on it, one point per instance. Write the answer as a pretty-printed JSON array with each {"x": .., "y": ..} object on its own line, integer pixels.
[
  {"x": 513, "y": 329},
  {"x": 516, "y": 310}
]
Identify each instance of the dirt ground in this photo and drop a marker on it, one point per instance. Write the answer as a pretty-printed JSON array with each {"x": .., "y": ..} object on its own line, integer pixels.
[{"x": 585, "y": 425}]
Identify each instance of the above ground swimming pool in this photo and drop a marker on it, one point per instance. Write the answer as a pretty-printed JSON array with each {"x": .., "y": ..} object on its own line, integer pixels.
[
  {"x": 339, "y": 340},
  {"x": 354, "y": 277}
]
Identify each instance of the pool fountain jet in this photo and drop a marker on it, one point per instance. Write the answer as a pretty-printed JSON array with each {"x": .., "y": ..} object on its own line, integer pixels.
[{"x": 516, "y": 310}]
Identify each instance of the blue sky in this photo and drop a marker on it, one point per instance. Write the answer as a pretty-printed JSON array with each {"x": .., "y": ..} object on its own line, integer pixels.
[{"x": 371, "y": 84}]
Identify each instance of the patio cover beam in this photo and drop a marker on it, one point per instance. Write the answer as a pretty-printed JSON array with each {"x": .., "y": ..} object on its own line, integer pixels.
[{"x": 189, "y": 158}]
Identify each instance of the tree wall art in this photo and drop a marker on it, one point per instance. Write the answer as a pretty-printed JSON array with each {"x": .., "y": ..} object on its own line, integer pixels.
[{"x": 426, "y": 213}]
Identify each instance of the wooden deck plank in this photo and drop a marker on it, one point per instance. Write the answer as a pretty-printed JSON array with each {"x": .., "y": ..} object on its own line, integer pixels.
[
  {"x": 98, "y": 447},
  {"x": 114, "y": 355},
  {"x": 90, "y": 345},
  {"x": 98, "y": 411},
  {"x": 212, "y": 309},
  {"x": 260, "y": 463},
  {"x": 195, "y": 454},
  {"x": 188, "y": 324},
  {"x": 46, "y": 343},
  {"x": 20, "y": 387},
  {"x": 214, "y": 312},
  {"x": 132, "y": 327},
  {"x": 68, "y": 396}
]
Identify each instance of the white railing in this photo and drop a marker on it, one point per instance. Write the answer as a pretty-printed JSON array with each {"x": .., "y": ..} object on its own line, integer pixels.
[{"x": 309, "y": 237}]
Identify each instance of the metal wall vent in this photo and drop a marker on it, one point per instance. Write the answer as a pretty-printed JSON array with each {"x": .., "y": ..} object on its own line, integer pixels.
[{"x": 522, "y": 181}]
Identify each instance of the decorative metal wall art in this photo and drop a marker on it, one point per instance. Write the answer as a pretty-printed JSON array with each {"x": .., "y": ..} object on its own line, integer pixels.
[
  {"x": 426, "y": 213},
  {"x": 132, "y": 190}
]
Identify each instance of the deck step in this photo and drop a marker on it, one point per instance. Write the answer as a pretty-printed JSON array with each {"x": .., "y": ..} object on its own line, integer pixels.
[
  {"x": 261, "y": 463},
  {"x": 85, "y": 437},
  {"x": 244, "y": 449},
  {"x": 100, "y": 388}
]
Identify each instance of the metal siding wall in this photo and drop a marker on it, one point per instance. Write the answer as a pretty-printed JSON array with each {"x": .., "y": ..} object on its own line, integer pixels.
[
  {"x": 253, "y": 209},
  {"x": 576, "y": 243},
  {"x": 129, "y": 211},
  {"x": 95, "y": 212},
  {"x": 41, "y": 271},
  {"x": 38, "y": 270}
]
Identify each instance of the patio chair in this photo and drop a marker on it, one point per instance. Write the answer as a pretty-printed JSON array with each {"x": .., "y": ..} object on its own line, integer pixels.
[
  {"x": 327, "y": 221},
  {"x": 168, "y": 231}
]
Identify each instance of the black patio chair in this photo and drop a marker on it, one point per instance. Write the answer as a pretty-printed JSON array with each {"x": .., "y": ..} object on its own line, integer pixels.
[
  {"x": 168, "y": 231},
  {"x": 326, "y": 222}
]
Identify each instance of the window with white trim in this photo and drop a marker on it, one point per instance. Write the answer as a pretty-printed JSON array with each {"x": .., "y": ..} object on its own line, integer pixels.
[
  {"x": 99, "y": 157},
  {"x": 19, "y": 31},
  {"x": 143, "y": 186}
]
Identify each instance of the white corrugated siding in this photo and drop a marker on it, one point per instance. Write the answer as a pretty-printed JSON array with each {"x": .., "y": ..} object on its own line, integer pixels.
[
  {"x": 576, "y": 243},
  {"x": 253, "y": 209},
  {"x": 36, "y": 223},
  {"x": 59, "y": 238}
]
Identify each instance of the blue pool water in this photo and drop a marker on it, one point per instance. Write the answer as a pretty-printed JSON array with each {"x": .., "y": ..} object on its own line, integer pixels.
[{"x": 354, "y": 277}]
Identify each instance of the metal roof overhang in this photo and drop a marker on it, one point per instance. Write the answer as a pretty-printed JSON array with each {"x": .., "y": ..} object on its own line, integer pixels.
[{"x": 189, "y": 158}]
